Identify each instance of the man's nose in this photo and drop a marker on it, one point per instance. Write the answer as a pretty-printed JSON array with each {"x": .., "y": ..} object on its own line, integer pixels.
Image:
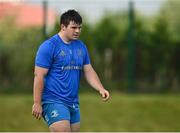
[{"x": 77, "y": 30}]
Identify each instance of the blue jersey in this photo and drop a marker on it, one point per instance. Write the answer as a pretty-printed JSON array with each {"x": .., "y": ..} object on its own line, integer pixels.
[{"x": 64, "y": 63}]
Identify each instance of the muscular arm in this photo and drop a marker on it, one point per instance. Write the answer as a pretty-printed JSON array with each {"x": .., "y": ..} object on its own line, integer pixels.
[
  {"x": 93, "y": 79},
  {"x": 39, "y": 74}
]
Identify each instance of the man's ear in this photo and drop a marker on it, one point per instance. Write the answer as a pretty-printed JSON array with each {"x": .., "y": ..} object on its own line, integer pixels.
[{"x": 63, "y": 27}]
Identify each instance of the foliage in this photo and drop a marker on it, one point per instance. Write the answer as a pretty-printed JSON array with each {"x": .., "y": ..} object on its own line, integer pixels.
[
  {"x": 157, "y": 47},
  {"x": 18, "y": 48}
]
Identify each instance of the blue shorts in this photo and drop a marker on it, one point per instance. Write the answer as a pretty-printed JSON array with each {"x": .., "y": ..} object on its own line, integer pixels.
[{"x": 53, "y": 112}]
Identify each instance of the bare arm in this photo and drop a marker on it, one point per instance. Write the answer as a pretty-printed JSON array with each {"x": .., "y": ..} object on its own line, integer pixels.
[
  {"x": 39, "y": 74},
  {"x": 93, "y": 79}
]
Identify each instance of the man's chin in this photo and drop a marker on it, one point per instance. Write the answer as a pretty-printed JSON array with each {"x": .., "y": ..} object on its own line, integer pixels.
[{"x": 75, "y": 38}]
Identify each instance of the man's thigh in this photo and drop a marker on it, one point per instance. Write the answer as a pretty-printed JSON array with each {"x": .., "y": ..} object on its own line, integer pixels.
[
  {"x": 60, "y": 126},
  {"x": 75, "y": 127},
  {"x": 75, "y": 119}
]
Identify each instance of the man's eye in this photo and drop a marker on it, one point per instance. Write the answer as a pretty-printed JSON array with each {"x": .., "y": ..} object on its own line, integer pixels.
[{"x": 76, "y": 28}]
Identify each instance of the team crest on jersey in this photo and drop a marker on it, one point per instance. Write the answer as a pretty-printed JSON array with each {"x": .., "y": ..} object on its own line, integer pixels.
[
  {"x": 54, "y": 113},
  {"x": 79, "y": 52},
  {"x": 62, "y": 53}
]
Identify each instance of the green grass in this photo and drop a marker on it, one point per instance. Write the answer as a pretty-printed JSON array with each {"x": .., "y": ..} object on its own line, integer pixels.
[{"x": 121, "y": 113}]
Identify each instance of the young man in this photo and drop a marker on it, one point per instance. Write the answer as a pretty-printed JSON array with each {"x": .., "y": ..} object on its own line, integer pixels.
[{"x": 58, "y": 66}]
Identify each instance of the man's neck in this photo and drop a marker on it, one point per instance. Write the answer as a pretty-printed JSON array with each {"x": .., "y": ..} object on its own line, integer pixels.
[{"x": 64, "y": 38}]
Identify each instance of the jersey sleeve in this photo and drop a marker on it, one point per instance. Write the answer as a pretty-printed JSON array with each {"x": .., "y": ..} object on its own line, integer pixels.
[
  {"x": 44, "y": 56},
  {"x": 86, "y": 59}
]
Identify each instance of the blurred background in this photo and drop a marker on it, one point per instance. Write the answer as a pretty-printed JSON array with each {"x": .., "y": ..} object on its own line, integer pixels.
[{"x": 134, "y": 46}]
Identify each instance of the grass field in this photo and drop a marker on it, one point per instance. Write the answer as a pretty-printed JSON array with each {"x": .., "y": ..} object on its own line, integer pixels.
[{"x": 121, "y": 113}]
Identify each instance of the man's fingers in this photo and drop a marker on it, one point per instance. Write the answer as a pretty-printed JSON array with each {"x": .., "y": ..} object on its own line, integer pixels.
[
  {"x": 106, "y": 96},
  {"x": 37, "y": 111},
  {"x": 39, "y": 116},
  {"x": 103, "y": 95},
  {"x": 105, "y": 99},
  {"x": 36, "y": 114}
]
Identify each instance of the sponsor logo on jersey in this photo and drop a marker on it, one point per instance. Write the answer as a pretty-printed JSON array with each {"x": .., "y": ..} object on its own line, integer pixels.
[{"x": 71, "y": 68}]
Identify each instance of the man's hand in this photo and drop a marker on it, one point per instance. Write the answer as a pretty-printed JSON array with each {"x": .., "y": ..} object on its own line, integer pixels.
[
  {"x": 37, "y": 110},
  {"x": 105, "y": 94}
]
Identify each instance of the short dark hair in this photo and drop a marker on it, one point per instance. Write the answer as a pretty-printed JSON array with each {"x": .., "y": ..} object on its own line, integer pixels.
[{"x": 70, "y": 15}]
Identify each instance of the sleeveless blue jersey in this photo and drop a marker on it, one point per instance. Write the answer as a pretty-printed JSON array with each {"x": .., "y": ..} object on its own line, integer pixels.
[{"x": 64, "y": 63}]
